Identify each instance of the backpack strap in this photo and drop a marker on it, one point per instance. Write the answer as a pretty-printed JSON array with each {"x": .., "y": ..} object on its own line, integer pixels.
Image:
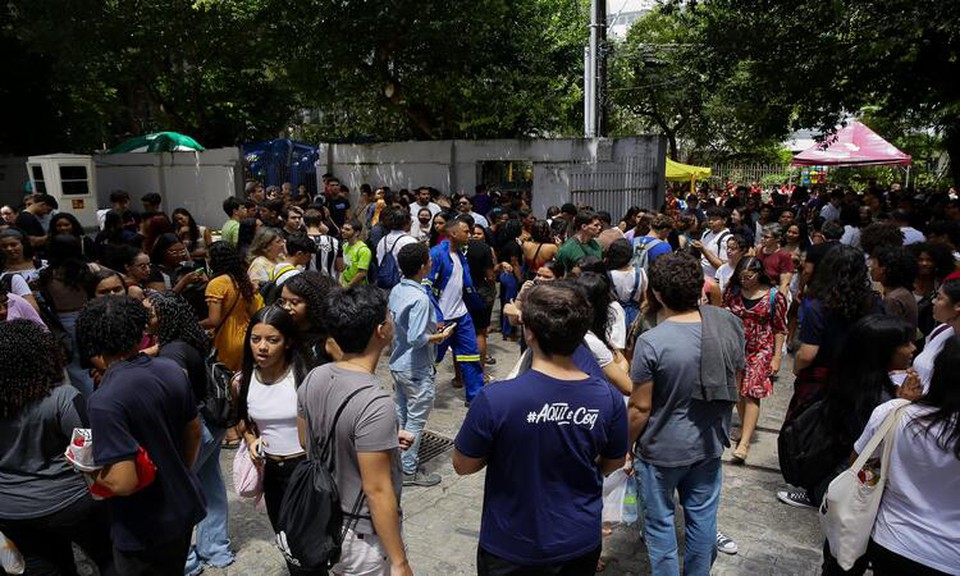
[
  {"x": 636, "y": 284},
  {"x": 328, "y": 441}
]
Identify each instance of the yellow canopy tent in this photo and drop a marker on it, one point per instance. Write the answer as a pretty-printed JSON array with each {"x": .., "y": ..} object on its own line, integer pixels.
[{"x": 684, "y": 172}]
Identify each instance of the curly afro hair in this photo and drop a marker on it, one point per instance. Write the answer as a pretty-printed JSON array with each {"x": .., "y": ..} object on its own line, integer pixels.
[
  {"x": 313, "y": 287},
  {"x": 677, "y": 279},
  {"x": 224, "y": 259},
  {"x": 27, "y": 378},
  {"x": 842, "y": 282},
  {"x": 110, "y": 326},
  {"x": 899, "y": 266},
  {"x": 880, "y": 234},
  {"x": 176, "y": 320}
]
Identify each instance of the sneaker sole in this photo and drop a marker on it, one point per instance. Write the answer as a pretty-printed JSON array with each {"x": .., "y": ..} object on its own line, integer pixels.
[{"x": 794, "y": 503}]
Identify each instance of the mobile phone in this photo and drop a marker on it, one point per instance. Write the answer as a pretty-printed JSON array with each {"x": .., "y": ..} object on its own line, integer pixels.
[{"x": 452, "y": 326}]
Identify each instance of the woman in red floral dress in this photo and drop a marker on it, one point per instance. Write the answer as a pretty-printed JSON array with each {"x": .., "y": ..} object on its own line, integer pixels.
[{"x": 763, "y": 310}]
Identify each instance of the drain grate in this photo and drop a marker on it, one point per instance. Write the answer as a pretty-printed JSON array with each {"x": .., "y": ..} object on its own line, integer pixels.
[{"x": 433, "y": 445}]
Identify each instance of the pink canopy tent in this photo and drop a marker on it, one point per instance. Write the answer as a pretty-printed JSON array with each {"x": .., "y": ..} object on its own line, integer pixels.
[{"x": 853, "y": 145}]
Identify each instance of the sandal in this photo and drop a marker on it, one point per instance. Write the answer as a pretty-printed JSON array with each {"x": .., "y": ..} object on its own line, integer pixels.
[{"x": 739, "y": 457}]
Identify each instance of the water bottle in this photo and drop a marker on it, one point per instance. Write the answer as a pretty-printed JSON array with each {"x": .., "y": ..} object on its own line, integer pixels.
[
  {"x": 11, "y": 561},
  {"x": 630, "y": 511}
]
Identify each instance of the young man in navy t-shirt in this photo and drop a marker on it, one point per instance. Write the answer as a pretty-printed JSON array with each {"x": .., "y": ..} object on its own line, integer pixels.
[
  {"x": 146, "y": 403},
  {"x": 547, "y": 439}
]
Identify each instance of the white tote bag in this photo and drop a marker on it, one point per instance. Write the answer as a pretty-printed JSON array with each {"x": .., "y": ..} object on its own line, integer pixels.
[{"x": 850, "y": 506}]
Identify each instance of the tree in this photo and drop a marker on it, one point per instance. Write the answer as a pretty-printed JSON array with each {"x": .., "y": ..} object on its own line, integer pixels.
[
  {"x": 115, "y": 69},
  {"x": 427, "y": 70},
  {"x": 831, "y": 59},
  {"x": 663, "y": 79}
]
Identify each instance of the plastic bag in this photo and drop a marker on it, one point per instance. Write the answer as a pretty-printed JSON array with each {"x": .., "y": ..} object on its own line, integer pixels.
[
  {"x": 10, "y": 558},
  {"x": 247, "y": 477},
  {"x": 614, "y": 489}
]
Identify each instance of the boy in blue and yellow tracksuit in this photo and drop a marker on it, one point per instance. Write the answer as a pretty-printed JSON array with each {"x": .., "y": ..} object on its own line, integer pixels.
[{"x": 450, "y": 281}]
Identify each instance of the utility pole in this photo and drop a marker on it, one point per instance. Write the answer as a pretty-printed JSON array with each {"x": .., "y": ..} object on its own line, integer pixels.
[{"x": 595, "y": 73}]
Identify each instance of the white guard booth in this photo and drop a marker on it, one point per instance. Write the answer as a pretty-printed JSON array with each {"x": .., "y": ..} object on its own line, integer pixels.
[{"x": 71, "y": 179}]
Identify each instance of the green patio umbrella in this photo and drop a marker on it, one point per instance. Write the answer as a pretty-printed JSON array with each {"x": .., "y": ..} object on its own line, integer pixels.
[{"x": 158, "y": 142}]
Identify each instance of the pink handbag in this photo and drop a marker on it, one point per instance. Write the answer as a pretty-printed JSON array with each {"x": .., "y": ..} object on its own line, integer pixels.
[{"x": 247, "y": 477}]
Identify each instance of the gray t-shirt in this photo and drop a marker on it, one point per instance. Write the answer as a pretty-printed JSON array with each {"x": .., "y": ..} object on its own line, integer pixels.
[
  {"x": 35, "y": 477},
  {"x": 367, "y": 424},
  {"x": 681, "y": 431}
]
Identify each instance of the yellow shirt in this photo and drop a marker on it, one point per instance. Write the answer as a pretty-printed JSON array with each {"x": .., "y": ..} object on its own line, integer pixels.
[{"x": 234, "y": 319}]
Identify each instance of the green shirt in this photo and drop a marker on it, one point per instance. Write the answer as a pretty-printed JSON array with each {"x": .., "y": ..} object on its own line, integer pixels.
[
  {"x": 230, "y": 232},
  {"x": 572, "y": 252},
  {"x": 356, "y": 257}
]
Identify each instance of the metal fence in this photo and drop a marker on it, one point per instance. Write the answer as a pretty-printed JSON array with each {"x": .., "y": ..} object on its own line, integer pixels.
[
  {"x": 615, "y": 186},
  {"x": 749, "y": 173}
]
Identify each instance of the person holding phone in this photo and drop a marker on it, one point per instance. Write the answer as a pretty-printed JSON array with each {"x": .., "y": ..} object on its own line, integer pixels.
[{"x": 412, "y": 359}]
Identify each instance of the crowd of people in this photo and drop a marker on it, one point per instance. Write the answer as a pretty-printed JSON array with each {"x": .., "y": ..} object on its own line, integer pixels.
[{"x": 637, "y": 339}]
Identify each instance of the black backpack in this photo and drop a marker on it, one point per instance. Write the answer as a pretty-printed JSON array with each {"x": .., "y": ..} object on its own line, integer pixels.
[
  {"x": 388, "y": 271},
  {"x": 218, "y": 407},
  {"x": 806, "y": 451},
  {"x": 310, "y": 527}
]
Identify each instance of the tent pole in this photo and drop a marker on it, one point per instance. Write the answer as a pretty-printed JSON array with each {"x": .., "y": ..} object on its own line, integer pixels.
[{"x": 907, "y": 185}]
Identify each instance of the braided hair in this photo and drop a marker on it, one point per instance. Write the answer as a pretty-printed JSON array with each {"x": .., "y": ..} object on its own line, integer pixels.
[
  {"x": 27, "y": 378},
  {"x": 224, "y": 259},
  {"x": 176, "y": 320}
]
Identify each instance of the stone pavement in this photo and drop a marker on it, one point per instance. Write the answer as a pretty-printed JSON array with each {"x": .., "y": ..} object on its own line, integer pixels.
[{"x": 442, "y": 523}]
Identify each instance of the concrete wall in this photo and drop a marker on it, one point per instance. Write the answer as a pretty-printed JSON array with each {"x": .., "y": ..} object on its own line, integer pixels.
[
  {"x": 560, "y": 166},
  {"x": 198, "y": 182},
  {"x": 13, "y": 174}
]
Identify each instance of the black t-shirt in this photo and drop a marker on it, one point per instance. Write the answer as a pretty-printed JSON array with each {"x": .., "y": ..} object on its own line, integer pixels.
[
  {"x": 338, "y": 210},
  {"x": 189, "y": 359},
  {"x": 816, "y": 252},
  {"x": 30, "y": 224},
  {"x": 479, "y": 260},
  {"x": 146, "y": 402}
]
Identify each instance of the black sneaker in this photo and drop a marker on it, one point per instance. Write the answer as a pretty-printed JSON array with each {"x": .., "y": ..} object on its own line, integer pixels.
[
  {"x": 795, "y": 498},
  {"x": 420, "y": 478}
]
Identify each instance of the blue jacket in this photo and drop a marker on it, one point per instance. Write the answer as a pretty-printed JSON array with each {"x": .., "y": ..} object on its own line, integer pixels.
[{"x": 440, "y": 270}]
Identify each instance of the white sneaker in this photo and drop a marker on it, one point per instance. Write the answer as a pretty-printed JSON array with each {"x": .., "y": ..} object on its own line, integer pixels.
[{"x": 725, "y": 544}]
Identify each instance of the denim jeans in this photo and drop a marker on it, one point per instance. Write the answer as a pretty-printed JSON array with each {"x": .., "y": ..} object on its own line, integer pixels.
[
  {"x": 699, "y": 488},
  {"x": 212, "y": 545},
  {"x": 79, "y": 376},
  {"x": 414, "y": 401}
]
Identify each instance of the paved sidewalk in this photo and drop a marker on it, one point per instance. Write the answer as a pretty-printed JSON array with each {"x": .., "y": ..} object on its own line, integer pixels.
[{"x": 442, "y": 523}]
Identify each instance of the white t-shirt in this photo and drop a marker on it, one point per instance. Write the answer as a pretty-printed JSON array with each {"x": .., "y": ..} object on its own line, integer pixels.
[
  {"x": 624, "y": 282},
  {"x": 617, "y": 328},
  {"x": 724, "y": 273},
  {"x": 451, "y": 299},
  {"x": 919, "y": 515},
  {"x": 851, "y": 236},
  {"x": 716, "y": 242},
  {"x": 600, "y": 352},
  {"x": 393, "y": 241},
  {"x": 415, "y": 222},
  {"x": 18, "y": 285},
  {"x": 923, "y": 363},
  {"x": 912, "y": 236},
  {"x": 274, "y": 409}
]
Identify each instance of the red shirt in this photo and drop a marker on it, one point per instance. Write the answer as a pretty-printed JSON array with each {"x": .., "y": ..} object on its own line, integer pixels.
[{"x": 775, "y": 264}]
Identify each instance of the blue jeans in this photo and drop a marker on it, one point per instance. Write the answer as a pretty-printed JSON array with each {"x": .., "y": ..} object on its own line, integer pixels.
[
  {"x": 79, "y": 376},
  {"x": 416, "y": 390},
  {"x": 213, "y": 546},
  {"x": 699, "y": 488}
]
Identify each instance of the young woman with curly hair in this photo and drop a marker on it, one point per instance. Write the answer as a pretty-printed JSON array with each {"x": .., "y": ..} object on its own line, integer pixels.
[
  {"x": 181, "y": 339},
  {"x": 231, "y": 300},
  {"x": 45, "y": 505},
  {"x": 838, "y": 295},
  {"x": 303, "y": 298},
  {"x": 147, "y": 403}
]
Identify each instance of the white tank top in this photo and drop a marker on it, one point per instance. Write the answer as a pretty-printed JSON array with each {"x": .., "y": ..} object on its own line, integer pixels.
[{"x": 273, "y": 408}]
